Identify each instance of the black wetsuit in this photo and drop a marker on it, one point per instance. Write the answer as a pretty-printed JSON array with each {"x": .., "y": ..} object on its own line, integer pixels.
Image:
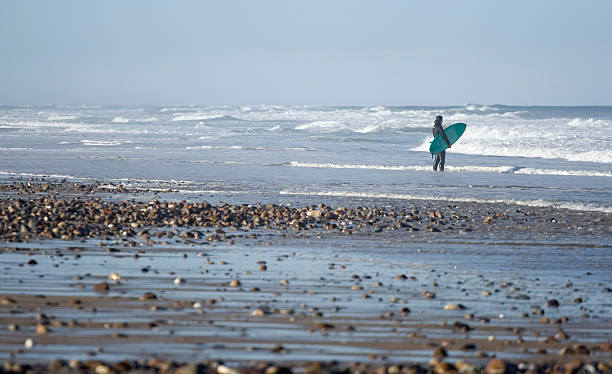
[{"x": 439, "y": 157}]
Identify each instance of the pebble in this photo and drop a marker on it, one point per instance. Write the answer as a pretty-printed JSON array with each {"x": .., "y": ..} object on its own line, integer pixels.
[
  {"x": 29, "y": 343},
  {"x": 148, "y": 296},
  {"x": 5, "y": 300},
  {"x": 41, "y": 329},
  {"x": 222, "y": 369},
  {"x": 444, "y": 368},
  {"x": 429, "y": 294},
  {"x": 496, "y": 366},
  {"x": 440, "y": 353},
  {"x": 454, "y": 307},
  {"x": 573, "y": 366},
  {"x": 553, "y": 303},
  {"x": 101, "y": 287}
]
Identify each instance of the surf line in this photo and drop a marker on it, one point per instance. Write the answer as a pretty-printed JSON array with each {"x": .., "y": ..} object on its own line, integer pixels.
[
  {"x": 456, "y": 169},
  {"x": 395, "y": 196}
]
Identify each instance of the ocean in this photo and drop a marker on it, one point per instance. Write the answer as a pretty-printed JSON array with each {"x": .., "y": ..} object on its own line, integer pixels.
[{"x": 534, "y": 156}]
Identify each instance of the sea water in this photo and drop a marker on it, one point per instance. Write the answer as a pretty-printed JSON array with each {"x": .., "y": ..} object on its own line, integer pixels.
[{"x": 539, "y": 156}]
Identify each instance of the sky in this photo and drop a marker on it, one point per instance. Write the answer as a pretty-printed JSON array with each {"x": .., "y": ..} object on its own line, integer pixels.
[{"x": 341, "y": 52}]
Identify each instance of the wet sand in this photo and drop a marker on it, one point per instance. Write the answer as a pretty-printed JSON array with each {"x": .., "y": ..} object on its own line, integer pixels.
[{"x": 310, "y": 288}]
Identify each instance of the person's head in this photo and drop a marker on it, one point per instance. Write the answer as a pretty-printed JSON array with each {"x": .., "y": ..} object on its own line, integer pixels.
[{"x": 438, "y": 120}]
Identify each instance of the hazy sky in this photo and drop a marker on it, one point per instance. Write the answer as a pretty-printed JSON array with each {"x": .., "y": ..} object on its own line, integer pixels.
[{"x": 306, "y": 52}]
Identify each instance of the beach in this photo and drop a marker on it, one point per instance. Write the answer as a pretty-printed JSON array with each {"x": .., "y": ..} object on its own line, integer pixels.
[{"x": 100, "y": 278}]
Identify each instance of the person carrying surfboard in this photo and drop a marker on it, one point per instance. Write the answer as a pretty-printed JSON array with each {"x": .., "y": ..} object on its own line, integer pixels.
[{"x": 439, "y": 158}]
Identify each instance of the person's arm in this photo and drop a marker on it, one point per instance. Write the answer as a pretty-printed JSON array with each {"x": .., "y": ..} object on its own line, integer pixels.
[{"x": 445, "y": 138}]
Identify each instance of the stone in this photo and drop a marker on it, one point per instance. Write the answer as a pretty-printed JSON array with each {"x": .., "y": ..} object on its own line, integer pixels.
[
  {"x": 148, "y": 296},
  {"x": 5, "y": 300},
  {"x": 496, "y": 366},
  {"x": 429, "y": 294},
  {"x": 41, "y": 329},
  {"x": 102, "y": 287},
  {"x": 29, "y": 343},
  {"x": 439, "y": 353},
  {"x": 444, "y": 368},
  {"x": 573, "y": 366},
  {"x": 553, "y": 303},
  {"x": 454, "y": 307}
]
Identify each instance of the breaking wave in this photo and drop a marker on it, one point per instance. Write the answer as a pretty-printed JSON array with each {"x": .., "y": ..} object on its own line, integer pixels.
[
  {"x": 457, "y": 169},
  {"x": 396, "y": 196}
]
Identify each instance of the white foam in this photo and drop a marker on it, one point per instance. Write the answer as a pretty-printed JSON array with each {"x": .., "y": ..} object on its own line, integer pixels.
[
  {"x": 197, "y": 192},
  {"x": 377, "y": 195},
  {"x": 57, "y": 176},
  {"x": 577, "y": 139},
  {"x": 588, "y": 122},
  {"x": 216, "y": 147},
  {"x": 322, "y": 125},
  {"x": 458, "y": 169},
  {"x": 120, "y": 120},
  {"x": 128, "y": 120},
  {"x": 150, "y": 119},
  {"x": 99, "y": 143},
  {"x": 299, "y": 149},
  {"x": 582, "y": 173},
  {"x": 356, "y": 166},
  {"x": 59, "y": 117},
  {"x": 202, "y": 117},
  {"x": 474, "y": 108},
  {"x": 368, "y": 129}
]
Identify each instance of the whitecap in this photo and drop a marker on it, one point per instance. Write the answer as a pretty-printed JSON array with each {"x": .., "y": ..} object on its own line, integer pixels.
[
  {"x": 322, "y": 125},
  {"x": 588, "y": 122},
  {"x": 203, "y": 117},
  {"x": 216, "y": 147},
  {"x": 100, "y": 143},
  {"x": 59, "y": 117},
  {"x": 368, "y": 129}
]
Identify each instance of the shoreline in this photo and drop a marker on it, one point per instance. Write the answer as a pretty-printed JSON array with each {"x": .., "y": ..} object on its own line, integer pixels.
[{"x": 90, "y": 211}]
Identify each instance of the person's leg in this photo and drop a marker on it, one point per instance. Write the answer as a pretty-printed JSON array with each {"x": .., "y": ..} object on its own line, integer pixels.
[
  {"x": 442, "y": 159},
  {"x": 436, "y": 161}
]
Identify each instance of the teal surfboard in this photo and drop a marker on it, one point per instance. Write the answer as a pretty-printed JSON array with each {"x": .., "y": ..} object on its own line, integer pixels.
[{"x": 453, "y": 133}]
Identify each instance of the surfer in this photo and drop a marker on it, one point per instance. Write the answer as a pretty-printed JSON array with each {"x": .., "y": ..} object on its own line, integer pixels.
[{"x": 439, "y": 157}]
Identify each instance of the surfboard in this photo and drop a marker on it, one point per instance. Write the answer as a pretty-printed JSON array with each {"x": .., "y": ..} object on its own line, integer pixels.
[{"x": 453, "y": 133}]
